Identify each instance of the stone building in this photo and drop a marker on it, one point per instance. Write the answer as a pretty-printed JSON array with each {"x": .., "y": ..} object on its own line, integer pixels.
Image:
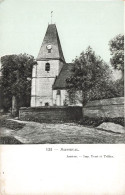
[{"x": 50, "y": 73}]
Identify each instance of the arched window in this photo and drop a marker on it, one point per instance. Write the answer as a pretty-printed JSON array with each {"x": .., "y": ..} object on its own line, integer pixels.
[
  {"x": 47, "y": 67},
  {"x": 49, "y": 50},
  {"x": 46, "y": 104}
]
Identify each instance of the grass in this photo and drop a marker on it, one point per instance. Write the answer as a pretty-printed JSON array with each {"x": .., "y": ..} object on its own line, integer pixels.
[
  {"x": 9, "y": 140},
  {"x": 13, "y": 132},
  {"x": 14, "y": 125}
]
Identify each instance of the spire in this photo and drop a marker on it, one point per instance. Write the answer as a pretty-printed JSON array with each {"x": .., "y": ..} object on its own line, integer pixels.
[
  {"x": 51, "y": 17},
  {"x": 51, "y": 42}
]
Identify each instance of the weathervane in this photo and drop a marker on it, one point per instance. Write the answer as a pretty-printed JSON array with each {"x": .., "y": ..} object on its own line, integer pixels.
[{"x": 51, "y": 16}]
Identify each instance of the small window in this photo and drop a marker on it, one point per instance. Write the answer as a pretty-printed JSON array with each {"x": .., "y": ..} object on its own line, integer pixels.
[
  {"x": 49, "y": 50},
  {"x": 46, "y": 104},
  {"x": 47, "y": 67},
  {"x": 58, "y": 92}
]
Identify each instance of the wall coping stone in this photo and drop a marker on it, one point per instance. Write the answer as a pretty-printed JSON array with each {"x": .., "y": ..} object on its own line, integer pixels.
[{"x": 49, "y": 107}]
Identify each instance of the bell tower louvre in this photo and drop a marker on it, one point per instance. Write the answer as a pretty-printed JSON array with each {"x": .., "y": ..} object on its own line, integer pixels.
[{"x": 50, "y": 61}]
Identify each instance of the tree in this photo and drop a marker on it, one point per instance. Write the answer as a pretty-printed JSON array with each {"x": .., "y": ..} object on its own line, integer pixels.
[
  {"x": 117, "y": 61},
  {"x": 16, "y": 79},
  {"x": 117, "y": 52},
  {"x": 91, "y": 75}
]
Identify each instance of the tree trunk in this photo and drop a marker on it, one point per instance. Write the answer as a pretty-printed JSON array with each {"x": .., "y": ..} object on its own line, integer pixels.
[{"x": 84, "y": 100}]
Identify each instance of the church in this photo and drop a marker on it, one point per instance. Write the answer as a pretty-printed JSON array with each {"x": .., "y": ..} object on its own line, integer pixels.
[{"x": 50, "y": 73}]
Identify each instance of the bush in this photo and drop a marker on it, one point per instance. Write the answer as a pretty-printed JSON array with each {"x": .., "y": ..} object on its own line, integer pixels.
[
  {"x": 11, "y": 124},
  {"x": 94, "y": 122}
]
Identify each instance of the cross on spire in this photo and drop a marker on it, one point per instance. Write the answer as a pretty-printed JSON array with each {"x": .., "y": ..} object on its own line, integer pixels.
[{"x": 51, "y": 16}]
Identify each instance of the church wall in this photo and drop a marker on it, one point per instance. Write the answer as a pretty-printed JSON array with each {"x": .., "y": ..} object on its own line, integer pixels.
[
  {"x": 44, "y": 86},
  {"x": 59, "y": 101},
  {"x": 54, "y": 97},
  {"x": 42, "y": 81},
  {"x": 42, "y": 91},
  {"x": 34, "y": 71},
  {"x": 63, "y": 97},
  {"x": 55, "y": 67},
  {"x": 33, "y": 86},
  {"x": 33, "y": 101}
]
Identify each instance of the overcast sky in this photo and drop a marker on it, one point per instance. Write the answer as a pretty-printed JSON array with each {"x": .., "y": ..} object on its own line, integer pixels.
[{"x": 23, "y": 25}]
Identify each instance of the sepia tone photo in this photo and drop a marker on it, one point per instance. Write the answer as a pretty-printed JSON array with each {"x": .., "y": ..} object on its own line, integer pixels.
[{"x": 62, "y": 72}]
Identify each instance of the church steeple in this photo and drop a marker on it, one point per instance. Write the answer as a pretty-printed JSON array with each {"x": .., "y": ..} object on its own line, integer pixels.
[
  {"x": 50, "y": 61},
  {"x": 51, "y": 46}
]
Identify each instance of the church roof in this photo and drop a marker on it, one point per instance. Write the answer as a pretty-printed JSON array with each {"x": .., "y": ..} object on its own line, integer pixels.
[
  {"x": 51, "y": 38},
  {"x": 66, "y": 71}
]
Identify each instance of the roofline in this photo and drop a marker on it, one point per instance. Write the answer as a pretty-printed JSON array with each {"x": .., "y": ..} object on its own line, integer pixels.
[
  {"x": 55, "y": 88},
  {"x": 46, "y": 59},
  {"x": 59, "y": 55},
  {"x": 57, "y": 77}
]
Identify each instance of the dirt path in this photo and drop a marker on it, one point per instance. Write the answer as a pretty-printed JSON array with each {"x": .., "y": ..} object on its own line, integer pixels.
[{"x": 68, "y": 133}]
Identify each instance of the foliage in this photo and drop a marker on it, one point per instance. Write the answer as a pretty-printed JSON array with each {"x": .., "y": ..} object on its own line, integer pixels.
[
  {"x": 117, "y": 61},
  {"x": 94, "y": 122},
  {"x": 119, "y": 87},
  {"x": 91, "y": 75},
  {"x": 117, "y": 52},
  {"x": 11, "y": 124},
  {"x": 16, "y": 69}
]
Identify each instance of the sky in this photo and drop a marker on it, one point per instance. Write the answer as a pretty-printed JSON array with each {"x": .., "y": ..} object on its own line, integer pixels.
[{"x": 23, "y": 24}]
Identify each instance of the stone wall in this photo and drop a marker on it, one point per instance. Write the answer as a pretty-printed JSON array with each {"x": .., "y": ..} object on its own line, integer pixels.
[
  {"x": 51, "y": 114},
  {"x": 112, "y": 108}
]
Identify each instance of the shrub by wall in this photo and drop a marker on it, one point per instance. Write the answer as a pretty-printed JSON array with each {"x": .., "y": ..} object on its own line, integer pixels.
[{"x": 94, "y": 122}]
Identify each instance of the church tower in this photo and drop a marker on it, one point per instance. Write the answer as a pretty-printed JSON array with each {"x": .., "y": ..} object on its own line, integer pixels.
[{"x": 50, "y": 61}]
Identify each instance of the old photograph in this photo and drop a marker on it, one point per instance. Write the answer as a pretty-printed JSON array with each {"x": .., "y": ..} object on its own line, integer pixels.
[{"x": 61, "y": 72}]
